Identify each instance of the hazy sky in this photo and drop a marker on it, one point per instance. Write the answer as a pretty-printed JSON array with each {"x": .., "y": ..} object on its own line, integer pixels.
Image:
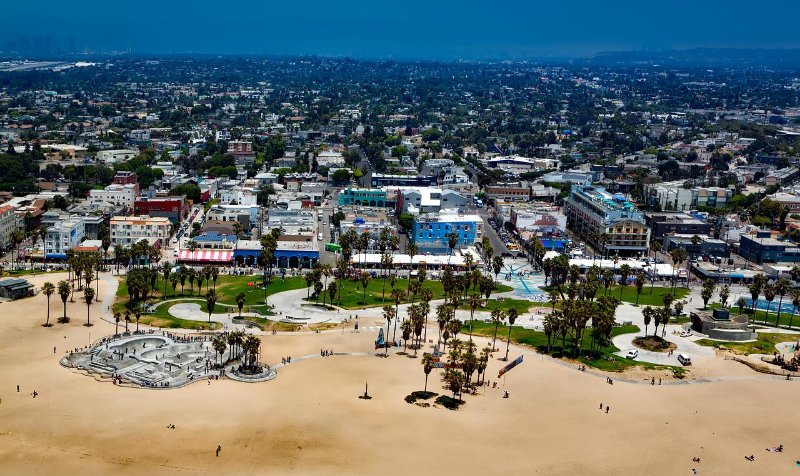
[{"x": 402, "y": 29}]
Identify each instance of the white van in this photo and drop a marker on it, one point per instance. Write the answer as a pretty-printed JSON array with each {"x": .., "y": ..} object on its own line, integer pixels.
[
  {"x": 684, "y": 359},
  {"x": 319, "y": 236}
]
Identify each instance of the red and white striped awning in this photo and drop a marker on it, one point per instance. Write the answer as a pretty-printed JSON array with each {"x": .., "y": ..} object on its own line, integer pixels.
[{"x": 214, "y": 256}]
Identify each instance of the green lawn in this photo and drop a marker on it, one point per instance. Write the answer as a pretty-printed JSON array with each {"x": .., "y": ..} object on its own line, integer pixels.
[
  {"x": 521, "y": 305},
  {"x": 604, "y": 357},
  {"x": 764, "y": 345},
  {"x": 760, "y": 316},
  {"x": 352, "y": 293},
  {"x": 227, "y": 289}
]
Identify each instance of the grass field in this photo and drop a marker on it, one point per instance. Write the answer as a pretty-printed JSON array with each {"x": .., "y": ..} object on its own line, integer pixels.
[
  {"x": 605, "y": 359},
  {"x": 521, "y": 305},
  {"x": 654, "y": 297},
  {"x": 786, "y": 319},
  {"x": 352, "y": 293},
  {"x": 764, "y": 345},
  {"x": 227, "y": 288}
]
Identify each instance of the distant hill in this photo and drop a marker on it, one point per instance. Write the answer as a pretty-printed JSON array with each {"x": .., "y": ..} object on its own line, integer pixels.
[{"x": 702, "y": 58}]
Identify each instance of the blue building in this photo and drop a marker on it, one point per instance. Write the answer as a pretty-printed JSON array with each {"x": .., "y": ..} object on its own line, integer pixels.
[
  {"x": 762, "y": 248},
  {"x": 289, "y": 254},
  {"x": 368, "y": 197},
  {"x": 431, "y": 232}
]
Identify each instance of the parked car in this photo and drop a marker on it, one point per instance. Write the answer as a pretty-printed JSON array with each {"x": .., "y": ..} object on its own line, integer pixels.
[{"x": 632, "y": 354}]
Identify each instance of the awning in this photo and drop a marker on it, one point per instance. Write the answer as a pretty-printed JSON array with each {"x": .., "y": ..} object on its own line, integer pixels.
[{"x": 213, "y": 256}]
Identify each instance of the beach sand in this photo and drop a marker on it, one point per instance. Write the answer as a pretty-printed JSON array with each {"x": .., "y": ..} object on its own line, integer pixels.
[{"x": 310, "y": 421}]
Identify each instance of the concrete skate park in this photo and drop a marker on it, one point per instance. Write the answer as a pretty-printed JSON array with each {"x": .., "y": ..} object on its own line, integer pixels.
[{"x": 154, "y": 359}]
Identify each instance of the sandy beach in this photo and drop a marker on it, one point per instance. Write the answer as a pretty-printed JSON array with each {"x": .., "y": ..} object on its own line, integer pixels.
[{"x": 310, "y": 421}]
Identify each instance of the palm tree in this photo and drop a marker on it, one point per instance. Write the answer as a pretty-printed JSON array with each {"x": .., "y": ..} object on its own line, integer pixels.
[
  {"x": 88, "y": 297},
  {"x": 781, "y": 288},
  {"x": 769, "y": 295},
  {"x": 166, "y": 271},
  {"x": 553, "y": 296},
  {"x": 647, "y": 313},
  {"x": 452, "y": 241},
  {"x": 678, "y": 256},
  {"x": 724, "y": 293},
  {"x": 64, "y": 290},
  {"x": 411, "y": 250},
  {"x": 117, "y": 315},
  {"x": 17, "y": 237},
  {"x": 219, "y": 344},
  {"x": 406, "y": 328},
  {"x": 48, "y": 289},
  {"x": 656, "y": 247},
  {"x": 498, "y": 316},
  {"x": 173, "y": 281},
  {"x": 241, "y": 299},
  {"x": 386, "y": 262},
  {"x": 398, "y": 295},
  {"x": 427, "y": 367},
  {"x": 624, "y": 273},
  {"x": 795, "y": 295},
  {"x": 332, "y": 288},
  {"x": 474, "y": 302},
  {"x": 640, "y": 282},
  {"x": 365, "y": 277},
  {"x": 137, "y": 314},
  {"x": 512, "y": 317},
  {"x": 389, "y": 314},
  {"x": 211, "y": 302}
]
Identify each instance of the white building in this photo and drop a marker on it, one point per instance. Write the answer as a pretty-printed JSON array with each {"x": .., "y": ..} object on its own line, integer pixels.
[
  {"x": 238, "y": 196},
  {"x": 116, "y": 155},
  {"x": 121, "y": 195},
  {"x": 330, "y": 158},
  {"x": 8, "y": 223},
  {"x": 126, "y": 231},
  {"x": 517, "y": 165},
  {"x": 63, "y": 235}
]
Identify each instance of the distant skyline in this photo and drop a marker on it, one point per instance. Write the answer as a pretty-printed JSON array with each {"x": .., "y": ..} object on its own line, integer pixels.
[{"x": 468, "y": 29}]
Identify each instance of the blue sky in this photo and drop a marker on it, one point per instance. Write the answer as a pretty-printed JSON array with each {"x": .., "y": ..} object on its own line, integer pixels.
[{"x": 405, "y": 29}]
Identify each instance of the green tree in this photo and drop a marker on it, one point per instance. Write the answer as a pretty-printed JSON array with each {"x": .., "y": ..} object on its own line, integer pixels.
[
  {"x": 211, "y": 302},
  {"x": 88, "y": 297},
  {"x": 48, "y": 289}
]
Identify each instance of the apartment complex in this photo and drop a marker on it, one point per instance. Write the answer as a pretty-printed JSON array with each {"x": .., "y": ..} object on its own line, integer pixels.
[
  {"x": 592, "y": 212},
  {"x": 674, "y": 196},
  {"x": 62, "y": 236},
  {"x": 8, "y": 223},
  {"x": 431, "y": 231},
  {"x": 120, "y": 195},
  {"x": 126, "y": 231}
]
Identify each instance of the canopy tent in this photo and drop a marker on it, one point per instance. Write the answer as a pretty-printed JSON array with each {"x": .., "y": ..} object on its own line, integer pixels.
[{"x": 210, "y": 256}]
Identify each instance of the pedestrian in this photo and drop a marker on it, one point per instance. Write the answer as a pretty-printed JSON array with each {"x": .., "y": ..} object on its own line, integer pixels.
[
  {"x": 219, "y": 448},
  {"x": 601, "y": 405},
  {"x": 17, "y": 388},
  {"x": 606, "y": 408},
  {"x": 54, "y": 350}
]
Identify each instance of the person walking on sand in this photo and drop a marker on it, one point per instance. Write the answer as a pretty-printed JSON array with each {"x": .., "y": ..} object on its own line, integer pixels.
[
  {"x": 219, "y": 448},
  {"x": 606, "y": 408}
]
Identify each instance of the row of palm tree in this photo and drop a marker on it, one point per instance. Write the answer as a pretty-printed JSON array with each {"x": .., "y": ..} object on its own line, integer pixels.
[
  {"x": 242, "y": 346},
  {"x": 779, "y": 288},
  {"x": 64, "y": 290}
]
